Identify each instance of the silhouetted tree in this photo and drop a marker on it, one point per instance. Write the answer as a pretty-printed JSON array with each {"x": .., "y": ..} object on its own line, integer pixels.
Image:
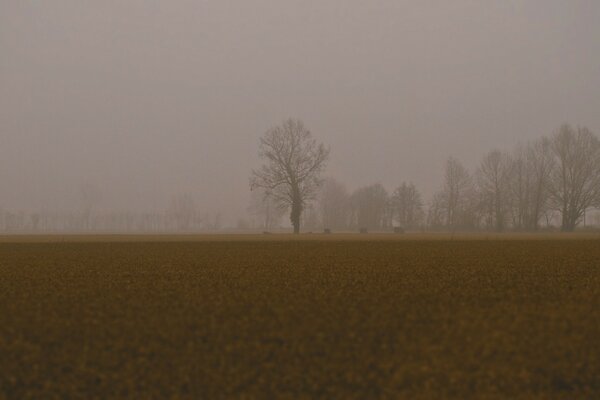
[
  {"x": 182, "y": 211},
  {"x": 334, "y": 204},
  {"x": 493, "y": 183},
  {"x": 407, "y": 206},
  {"x": 436, "y": 213},
  {"x": 293, "y": 165},
  {"x": 90, "y": 197},
  {"x": 310, "y": 217},
  {"x": 266, "y": 208},
  {"x": 529, "y": 183},
  {"x": 575, "y": 181},
  {"x": 370, "y": 204},
  {"x": 540, "y": 159},
  {"x": 519, "y": 187},
  {"x": 35, "y": 221},
  {"x": 457, "y": 196}
]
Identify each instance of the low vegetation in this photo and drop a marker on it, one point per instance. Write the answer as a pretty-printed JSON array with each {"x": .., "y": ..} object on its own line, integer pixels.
[{"x": 329, "y": 318}]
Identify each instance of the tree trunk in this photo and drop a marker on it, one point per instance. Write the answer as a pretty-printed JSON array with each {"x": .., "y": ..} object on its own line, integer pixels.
[
  {"x": 568, "y": 222},
  {"x": 295, "y": 217},
  {"x": 296, "y": 211}
]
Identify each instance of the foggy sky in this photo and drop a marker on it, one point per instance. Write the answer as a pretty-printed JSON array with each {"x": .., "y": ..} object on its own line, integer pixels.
[{"x": 148, "y": 99}]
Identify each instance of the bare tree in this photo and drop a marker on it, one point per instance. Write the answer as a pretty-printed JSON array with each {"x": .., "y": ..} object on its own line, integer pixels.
[
  {"x": 334, "y": 204},
  {"x": 264, "y": 206},
  {"x": 370, "y": 205},
  {"x": 293, "y": 165},
  {"x": 182, "y": 211},
  {"x": 90, "y": 197},
  {"x": 407, "y": 206},
  {"x": 540, "y": 164},
  {"x": 311, "y": 218},
  {"x": 529, "y": 182},
  {"x": 493, "y": 183},
  {"x": 35, "y": 221},
  {"x": 436, "y": 213},
  {"x": 457, "y": 193},
  {"x": 575, "y": 182},
  {"x": 520, "y": 190}
]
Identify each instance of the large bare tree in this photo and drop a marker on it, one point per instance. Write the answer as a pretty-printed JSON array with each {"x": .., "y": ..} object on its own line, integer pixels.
[
  {"x": 541, "y": 165},
  {"x": 293, "y": 163},
  {"x": 575, "y": 183},
  {"x": 520, "y": 187},
  {"x": 531, "y": 168}
]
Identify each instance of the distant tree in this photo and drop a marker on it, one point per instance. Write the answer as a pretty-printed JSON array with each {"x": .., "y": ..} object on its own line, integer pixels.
[
  {"x": 310, "y": 217},
  {"x": 370, "y": 204},
  {"x": 493, "y": 183},
  {"x": 212, "y": 222},
  {"x": 407, "y": 206},
  {"x": 436, "y": 213},
  {"x": 293, "y": 165},
  {"x": 90, "y": 196},
  {"x": 575, "y": 180},
  {"x": 35, "y": 221},
  {"x": 520, "y": 188},
  {"x": 264, "y": 206},
  {"x": 457, "y": 195},
  {"x": 182, "y": 211},
  {"x": 334, "y": 204},
  {"x": 531, "y": 169}
]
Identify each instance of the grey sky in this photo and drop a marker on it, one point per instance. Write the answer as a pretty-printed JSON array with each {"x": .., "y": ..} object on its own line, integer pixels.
[{"x": 147, "y": 99}]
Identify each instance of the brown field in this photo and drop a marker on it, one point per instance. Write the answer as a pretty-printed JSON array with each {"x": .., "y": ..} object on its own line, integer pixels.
[{"x": 267, "y": 316}]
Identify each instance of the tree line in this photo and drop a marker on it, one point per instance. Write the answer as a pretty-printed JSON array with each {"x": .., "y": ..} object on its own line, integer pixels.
[
  {"x": 182, "y": 214},
  {"x": 553, "y": 181},
  {"x": 552, "y": 178}
]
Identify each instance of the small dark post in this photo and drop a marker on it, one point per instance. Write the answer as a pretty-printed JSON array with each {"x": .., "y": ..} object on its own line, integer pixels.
[{"x": 327, "y": 231}]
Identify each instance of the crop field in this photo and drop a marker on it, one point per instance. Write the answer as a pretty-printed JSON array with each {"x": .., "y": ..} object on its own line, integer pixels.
[{"x": 320, "y": 317}]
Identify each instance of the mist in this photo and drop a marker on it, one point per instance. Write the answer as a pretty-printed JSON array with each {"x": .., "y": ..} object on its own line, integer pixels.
[{"x": 147, "y": 100}]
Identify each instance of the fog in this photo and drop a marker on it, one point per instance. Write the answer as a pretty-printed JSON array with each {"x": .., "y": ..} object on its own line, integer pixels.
[{"x": 149, "y": 99}]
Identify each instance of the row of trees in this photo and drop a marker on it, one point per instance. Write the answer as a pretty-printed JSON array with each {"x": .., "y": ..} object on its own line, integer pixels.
[
  {"x": 182, "y": 215},
  {"x": 370, "y": 207},
  {"x": 113, "y": 222},
  {"x": 553, "y": 177},
  {"x": 557, "y": 175}
]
